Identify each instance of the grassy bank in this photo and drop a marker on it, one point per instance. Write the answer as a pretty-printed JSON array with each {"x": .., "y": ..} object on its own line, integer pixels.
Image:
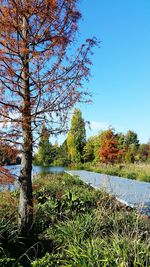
[
  {"x": 140, "y": 171},
  {"x": 74, "y": 226}
]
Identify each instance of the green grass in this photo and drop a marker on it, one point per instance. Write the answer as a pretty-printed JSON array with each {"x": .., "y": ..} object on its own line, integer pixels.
[
  {"x": 138, "y": 171},
  {"x": 75, "y": 226}
]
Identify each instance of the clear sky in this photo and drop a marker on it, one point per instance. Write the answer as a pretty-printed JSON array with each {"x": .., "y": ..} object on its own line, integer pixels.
[{"x": 120, "y": 80}]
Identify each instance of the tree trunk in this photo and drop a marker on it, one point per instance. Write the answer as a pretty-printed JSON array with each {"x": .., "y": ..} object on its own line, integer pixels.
[{"x": 25, "y": 203}]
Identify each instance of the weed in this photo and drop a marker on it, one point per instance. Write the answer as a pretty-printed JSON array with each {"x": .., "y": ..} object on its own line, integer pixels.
[{"x": 75, "y": 225}]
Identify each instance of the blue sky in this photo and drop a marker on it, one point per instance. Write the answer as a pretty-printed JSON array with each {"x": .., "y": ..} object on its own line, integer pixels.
[{"x": 120, "y": 80}]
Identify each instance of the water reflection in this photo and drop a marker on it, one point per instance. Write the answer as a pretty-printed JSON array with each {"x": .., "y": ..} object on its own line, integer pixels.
[{"x": 15, "y": 170}]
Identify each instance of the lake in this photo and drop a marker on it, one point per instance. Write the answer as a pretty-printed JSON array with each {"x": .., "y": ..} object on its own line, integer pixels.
[
  {"x": 130, "y": 192},
  {"x": 15, "y": 169}
]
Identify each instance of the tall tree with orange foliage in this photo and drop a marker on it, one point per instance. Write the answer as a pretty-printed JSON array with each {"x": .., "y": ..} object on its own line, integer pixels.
[
  {"x": 39, "y": 78},
  {"x": 109, "y": 151}
]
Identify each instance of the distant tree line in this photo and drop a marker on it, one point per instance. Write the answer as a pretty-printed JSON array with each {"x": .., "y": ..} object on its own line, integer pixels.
[{"x": 108, "y": 146}]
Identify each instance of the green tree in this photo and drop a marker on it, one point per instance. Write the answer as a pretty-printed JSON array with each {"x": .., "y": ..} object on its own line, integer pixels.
[
  {"x": 88, "y": 150},
  {"x": 131, "y": 154},
  {"x": 62, "y": 155},
  {"x": 45, "y": 155},
  {"x": 97, "y": 144},
  {"x": 122, "y": 147},
  {"x": 131, "y": 146},
  {"x": 76, "y": 138},
  {"x": 121, "y": 140},
  {"x": 131, "y": 138}
]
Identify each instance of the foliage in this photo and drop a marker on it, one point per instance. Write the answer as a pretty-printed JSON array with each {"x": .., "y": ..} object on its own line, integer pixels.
[
  {"x": 42, "y": 55},
  {"x": 7, "y": 262},
  {"x": 60, "y": 162},
  {"x": 50, "y": 260},
  {"x": 115, "y": 148},
  {"x": 143, "y": 152},
  {"x": 76, "y": 225},
  {"x": 62, "y": 199},
  {"x": 106, "y": 235},
  {"x": 5, "y": 176},
  {"x": 88, "y": 150},
  {"x": 109, "y": 151},
  {"x": 131, "y": 138},
  {"x": 131, "y": 154},
  {"x": 121, "y": 141},
  {"x": 46, "y": 151},
  {"x": 76, "y": 137},
  {"x": 97, "y": 145},
  {"x": 8, "y": 154},
  {"x": 62, "y": 155},
  {"x": 40, "y": 80},
  {"x": 138, "y": 171}
]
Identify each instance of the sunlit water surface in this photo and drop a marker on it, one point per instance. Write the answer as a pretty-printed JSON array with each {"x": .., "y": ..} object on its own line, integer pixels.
[{"x": 15, "y": 169}]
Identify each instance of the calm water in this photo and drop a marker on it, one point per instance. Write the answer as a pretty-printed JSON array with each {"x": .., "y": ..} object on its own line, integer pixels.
[
  {"x": 131, "y": 192},
  {"x": 15, "y": 169}
]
